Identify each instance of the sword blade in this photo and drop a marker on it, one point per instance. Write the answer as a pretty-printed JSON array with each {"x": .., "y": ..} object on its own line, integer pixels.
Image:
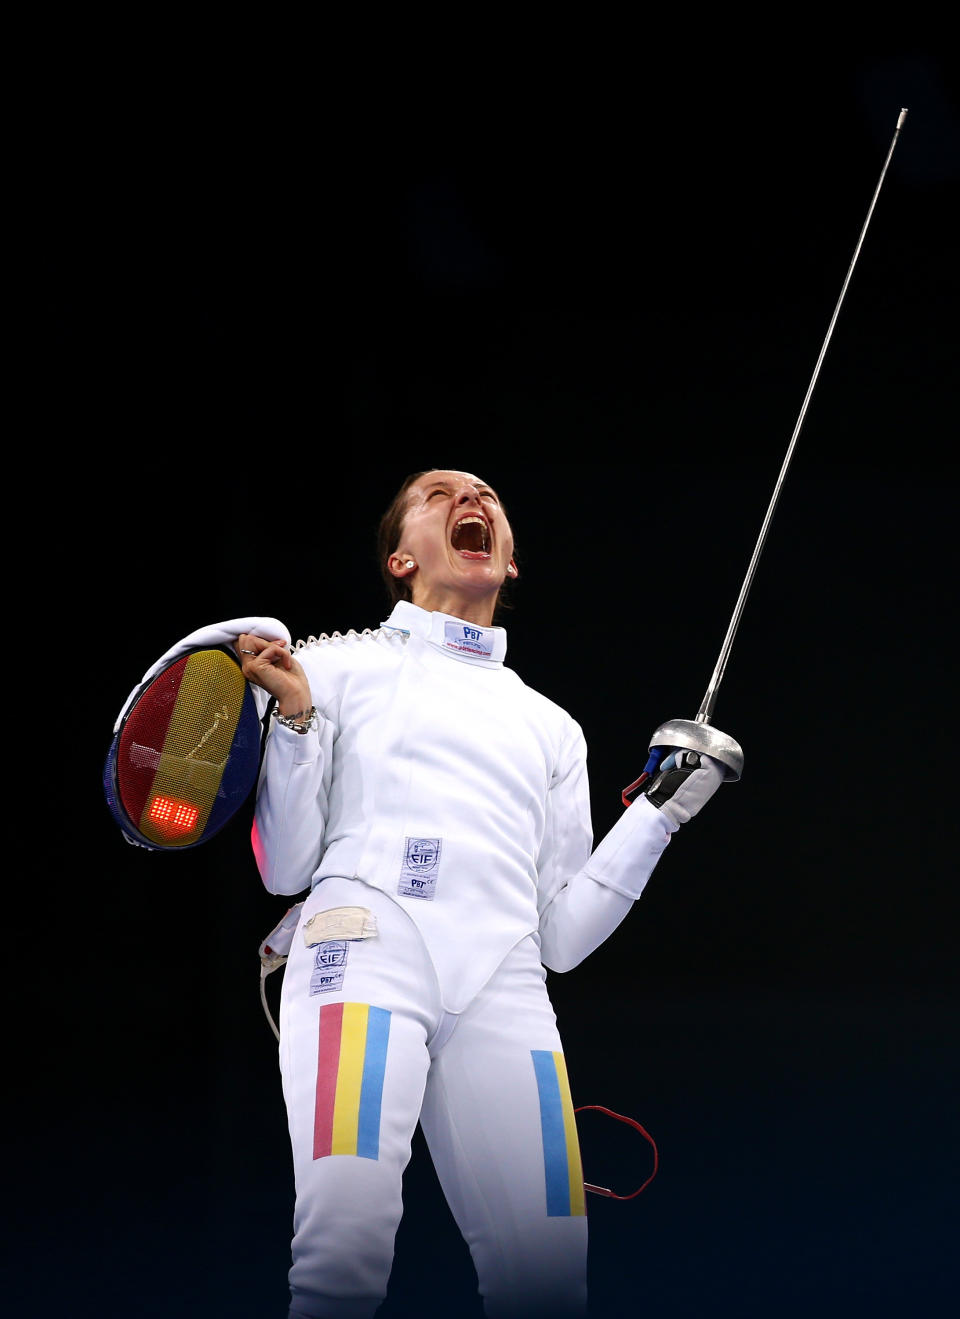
[{"x": 710, "y": 696}]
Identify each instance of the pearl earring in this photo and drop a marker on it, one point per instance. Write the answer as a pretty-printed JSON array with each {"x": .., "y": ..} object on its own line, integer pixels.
[{"x": 409, "y": 563}]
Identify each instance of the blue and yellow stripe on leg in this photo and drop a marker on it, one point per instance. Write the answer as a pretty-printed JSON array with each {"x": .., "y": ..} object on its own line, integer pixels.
[{"x": 561, "y": 1148}]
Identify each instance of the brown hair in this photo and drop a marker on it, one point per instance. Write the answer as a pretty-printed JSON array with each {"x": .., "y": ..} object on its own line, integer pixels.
[
  {"x": 389, "y": 535},
  {"x": 388, "y": 539}
]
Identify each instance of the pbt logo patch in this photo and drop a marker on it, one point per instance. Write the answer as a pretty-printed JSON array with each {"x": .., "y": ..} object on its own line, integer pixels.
[
  {"x": 468, "y": 640},
  {"x": 421, "y": 866}
]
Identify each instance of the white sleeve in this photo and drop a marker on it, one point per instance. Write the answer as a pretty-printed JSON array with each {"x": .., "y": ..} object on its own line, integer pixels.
[
  {"x": 291, "y": 808},
  {"x": 584, "y": 894}
]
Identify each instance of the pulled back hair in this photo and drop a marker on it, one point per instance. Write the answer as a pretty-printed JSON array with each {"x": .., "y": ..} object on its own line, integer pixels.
[
  {"x": 388, "y": 539},
  {"x": 389, "y": 535}
]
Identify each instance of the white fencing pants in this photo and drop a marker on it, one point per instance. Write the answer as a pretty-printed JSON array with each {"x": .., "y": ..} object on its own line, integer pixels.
[{"x": 366, "y": 1052}]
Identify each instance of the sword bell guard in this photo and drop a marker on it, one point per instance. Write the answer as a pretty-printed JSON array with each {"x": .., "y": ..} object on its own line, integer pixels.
[{"x": 693, "y": 736}]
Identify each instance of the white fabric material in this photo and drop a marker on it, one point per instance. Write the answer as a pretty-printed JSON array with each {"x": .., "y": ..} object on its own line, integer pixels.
[
  {"x": 214, "y": 634},
  {"x": 694, "y": 792},
  {"x": 471, "y": 1083},
  {"x": 420, "y": 744}
]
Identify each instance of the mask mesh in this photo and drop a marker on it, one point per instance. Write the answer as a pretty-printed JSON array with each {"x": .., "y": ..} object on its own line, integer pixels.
[{"x": 175, "y": 747}]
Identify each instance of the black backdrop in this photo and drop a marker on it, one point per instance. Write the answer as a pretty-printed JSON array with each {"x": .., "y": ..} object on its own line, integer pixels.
[{"x": 269, "y": 292}]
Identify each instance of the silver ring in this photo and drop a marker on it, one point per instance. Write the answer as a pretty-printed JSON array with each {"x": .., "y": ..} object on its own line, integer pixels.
[{"x": 247, "y": 652}]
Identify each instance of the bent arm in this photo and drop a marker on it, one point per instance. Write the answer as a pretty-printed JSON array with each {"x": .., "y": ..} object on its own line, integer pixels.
[
  {"x": 585, "y": 893},
  {"x": 589, "y": 906},
  {"x": 291, "y": 808}
]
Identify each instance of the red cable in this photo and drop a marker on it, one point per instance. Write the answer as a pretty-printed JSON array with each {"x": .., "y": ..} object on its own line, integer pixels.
[
  {"x": 602, "y": 1190},
  {"x": 627, "y": 798}
]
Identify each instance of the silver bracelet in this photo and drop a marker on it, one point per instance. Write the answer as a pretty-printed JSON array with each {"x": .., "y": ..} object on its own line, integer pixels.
[{"x": 301, "y": 722}]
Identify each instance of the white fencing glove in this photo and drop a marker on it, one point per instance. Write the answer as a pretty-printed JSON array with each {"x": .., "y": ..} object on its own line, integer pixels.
[{"x": 684, "y": 783}]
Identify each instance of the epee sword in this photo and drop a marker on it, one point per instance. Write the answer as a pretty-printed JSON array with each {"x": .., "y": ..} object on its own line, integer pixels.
[{"x": 698, "y": 734}]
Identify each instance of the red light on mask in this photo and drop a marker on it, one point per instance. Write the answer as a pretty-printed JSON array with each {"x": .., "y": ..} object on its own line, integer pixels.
[{"x": 171, "y": 815}]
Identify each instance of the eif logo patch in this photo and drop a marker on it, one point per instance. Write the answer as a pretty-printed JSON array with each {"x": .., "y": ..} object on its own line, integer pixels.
[
  {"x": 329, "y": 965},
  {"x": 421, "y": 865}
]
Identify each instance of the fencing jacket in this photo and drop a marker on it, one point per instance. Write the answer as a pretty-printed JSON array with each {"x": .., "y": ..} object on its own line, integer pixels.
[{"x": 436, "y": 775}]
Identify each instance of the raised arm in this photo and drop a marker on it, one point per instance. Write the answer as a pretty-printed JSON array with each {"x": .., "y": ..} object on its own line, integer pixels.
[{"x": 584, "y": 894}]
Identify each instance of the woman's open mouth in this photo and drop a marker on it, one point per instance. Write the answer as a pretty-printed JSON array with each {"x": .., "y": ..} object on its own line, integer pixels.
[{"x": 471, "y": 537}]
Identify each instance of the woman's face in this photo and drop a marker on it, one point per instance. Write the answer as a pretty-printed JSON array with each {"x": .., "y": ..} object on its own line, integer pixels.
[{"x": 460, "y": 544}]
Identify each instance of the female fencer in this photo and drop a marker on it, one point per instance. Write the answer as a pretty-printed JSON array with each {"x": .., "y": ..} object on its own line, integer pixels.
[{"x": 436, "y": 810}]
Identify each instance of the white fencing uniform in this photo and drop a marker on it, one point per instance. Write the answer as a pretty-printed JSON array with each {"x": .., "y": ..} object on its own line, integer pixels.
[{"x": 439, "y": 813}]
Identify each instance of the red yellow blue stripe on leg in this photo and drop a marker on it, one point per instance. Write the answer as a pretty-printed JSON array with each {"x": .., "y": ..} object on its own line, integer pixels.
[
  {"x": 561, "y": 1148},
  {"x": 351, "y": 1058}
]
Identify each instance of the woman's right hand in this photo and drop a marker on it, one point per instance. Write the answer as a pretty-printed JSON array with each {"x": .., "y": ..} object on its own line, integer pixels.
[{"x": 269, "y": 664}]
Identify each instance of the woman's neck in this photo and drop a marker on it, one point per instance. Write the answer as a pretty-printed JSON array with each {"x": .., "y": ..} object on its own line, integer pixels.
[{"x": 472, "y": 609}]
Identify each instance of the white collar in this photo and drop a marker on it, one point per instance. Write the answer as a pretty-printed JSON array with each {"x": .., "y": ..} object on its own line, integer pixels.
[{"x": 454, "y": 636}]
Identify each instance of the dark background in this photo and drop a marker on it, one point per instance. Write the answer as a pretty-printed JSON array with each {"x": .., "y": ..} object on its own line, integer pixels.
[{"x": 599, "y": 275}]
